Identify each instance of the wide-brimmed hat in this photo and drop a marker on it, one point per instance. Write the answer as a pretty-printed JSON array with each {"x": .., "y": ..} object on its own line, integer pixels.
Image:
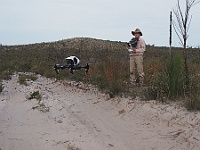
[{"x": 137, "y": 31}]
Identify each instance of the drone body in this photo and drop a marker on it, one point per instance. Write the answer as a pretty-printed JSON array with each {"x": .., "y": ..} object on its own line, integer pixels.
[{"x": 72, "y": 63}]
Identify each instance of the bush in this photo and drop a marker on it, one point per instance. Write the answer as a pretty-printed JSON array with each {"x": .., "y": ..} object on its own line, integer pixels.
[
  {"x": 1, "y": 87},
  {"x": 176, "y": 80},
  {"x": 35, "y": 95},
  {"x": 110, "y": 75},
  {"x": 24, "y": 67},
  {"x": 6, "y": 75},
  {"x": 193, "y": 100},
  {"x": 169, "y": 83},
  {"x": 24, "y": 78},
  {"x": 193, "y": 103}
]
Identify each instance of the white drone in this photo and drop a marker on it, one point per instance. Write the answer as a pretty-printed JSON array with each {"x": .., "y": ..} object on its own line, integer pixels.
[{"x": 72, "y": 63}]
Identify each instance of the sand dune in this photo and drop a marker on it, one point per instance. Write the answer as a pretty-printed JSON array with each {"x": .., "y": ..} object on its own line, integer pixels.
[{"x": 70, "y": 117}]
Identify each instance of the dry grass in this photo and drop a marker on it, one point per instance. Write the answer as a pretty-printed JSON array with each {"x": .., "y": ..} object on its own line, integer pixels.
[
  {"x": 72, "y": 147},
  {"x": 24, "y": 78},
  {"x": 35, "y": 95},
  {"x": 1, "y": 87},
  {"x": 122, "y": 111}
]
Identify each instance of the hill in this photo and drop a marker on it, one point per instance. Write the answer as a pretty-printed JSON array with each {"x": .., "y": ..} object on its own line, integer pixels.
[{"x": 109, "y": 65}]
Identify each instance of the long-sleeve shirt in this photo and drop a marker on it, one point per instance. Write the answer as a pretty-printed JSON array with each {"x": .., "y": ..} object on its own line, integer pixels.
[{"x": 141, "y": 47}]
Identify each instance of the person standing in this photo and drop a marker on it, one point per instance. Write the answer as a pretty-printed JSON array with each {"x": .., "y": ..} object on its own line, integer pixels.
[{"x": 136, "y": 57}]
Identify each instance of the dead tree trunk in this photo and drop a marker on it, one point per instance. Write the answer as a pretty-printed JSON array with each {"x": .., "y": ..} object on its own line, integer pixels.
[
  {"x": 170, "y": 35},
  {"x": 181, "y": 27}
]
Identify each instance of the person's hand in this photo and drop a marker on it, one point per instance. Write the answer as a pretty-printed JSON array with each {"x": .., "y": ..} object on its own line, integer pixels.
[
  {"x": 130, "y": 50},
  {"x": 134, "y": 50}
]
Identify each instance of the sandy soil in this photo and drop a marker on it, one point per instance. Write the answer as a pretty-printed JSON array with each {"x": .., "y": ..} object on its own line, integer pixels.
[{"x": 77, "y": 118}]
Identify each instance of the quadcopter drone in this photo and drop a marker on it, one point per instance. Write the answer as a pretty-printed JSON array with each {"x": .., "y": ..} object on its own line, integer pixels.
[{"x": 72, "y": 63}]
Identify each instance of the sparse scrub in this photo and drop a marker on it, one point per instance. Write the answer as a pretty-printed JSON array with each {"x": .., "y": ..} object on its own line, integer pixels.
[
  {"x": 24, "y": 78},
  {"x": 6, "y": 75},
  {"x": 151, "y": 93},
  {"x": 35, "y": 95},
  {"x": 169, "y": 82},
  {"x": 109, "y": 67},
  {"x": 193, "y": 100},
  {"x": 24, "y": 66},
  {"x": 193, "y": 103},
  {"x": 110, "y": 75},
  {"x": 72, "y": 147},
  {"x": 1, "y": 87}
]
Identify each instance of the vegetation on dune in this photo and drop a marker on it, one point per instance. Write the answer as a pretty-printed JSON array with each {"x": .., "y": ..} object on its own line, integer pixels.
[
  {"x": 109, "y": 67},
  {"x": 35, "y": 95},
  {"x": 23, "y": 78},
  {"x": 1, "y": 87}
]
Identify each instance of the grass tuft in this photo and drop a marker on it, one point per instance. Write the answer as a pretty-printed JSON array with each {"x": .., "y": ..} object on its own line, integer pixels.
[
  {"x": 1, "y": 87},
  {"x": 35, "y": 95},
  {"x": 72, "y": 147},
  {"x": 24, "y": 78},
  {"x": 6, "y": 75}
]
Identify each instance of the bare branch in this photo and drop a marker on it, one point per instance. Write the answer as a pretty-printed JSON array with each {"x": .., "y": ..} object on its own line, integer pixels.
[
  {"x": 180, "y": 12},
  {"x": 175, "y": 29},
  {"x": 189, "y": 24},
  {"x": 196, "y": 3},
  {"x": 183, "y": 21},
  {"x": 179, "y": 22}
]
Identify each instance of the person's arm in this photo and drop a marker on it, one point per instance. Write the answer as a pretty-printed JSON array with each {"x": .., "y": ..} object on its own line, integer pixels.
[{"x": 141, "y": 46}]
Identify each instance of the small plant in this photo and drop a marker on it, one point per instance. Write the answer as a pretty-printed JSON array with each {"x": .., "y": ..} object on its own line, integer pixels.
[
  {"x": 193, "y": 103},
  {"x": 1, "y": 87},
  {"x": 6, "y": 75},
  {"x": 169, "y": 82},
  {"x": 35, "y": 95},
  {"x": 24, "y": 78},
  {"x": 72, "y": 147},
  {"x": 32, "y": 77},
  {"x": 150, "y": 93},
  {"x": 122, "y": 111},
  {"x": 110, "y": 75}
]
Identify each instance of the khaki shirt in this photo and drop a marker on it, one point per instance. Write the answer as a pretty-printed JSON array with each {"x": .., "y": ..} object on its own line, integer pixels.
[{"x": 140, "y": 48}]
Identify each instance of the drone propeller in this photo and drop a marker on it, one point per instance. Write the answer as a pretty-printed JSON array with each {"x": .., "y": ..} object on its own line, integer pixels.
[
  {"x": 58, "y": 67},
  {"x": 87, "y": 67}
]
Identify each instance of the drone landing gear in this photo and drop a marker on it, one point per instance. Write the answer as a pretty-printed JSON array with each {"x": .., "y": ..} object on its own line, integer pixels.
[{"x": 59, "y": 67}]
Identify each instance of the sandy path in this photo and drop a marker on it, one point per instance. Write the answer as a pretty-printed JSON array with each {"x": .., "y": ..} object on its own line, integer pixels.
[{"x": 73, "y": 118}]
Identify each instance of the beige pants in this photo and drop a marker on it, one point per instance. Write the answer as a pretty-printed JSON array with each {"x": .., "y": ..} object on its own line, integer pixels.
[{"x": 136, "y": 66}]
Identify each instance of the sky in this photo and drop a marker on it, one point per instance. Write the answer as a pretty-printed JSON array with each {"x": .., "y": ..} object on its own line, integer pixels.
[{"x": 35, "y": 21}]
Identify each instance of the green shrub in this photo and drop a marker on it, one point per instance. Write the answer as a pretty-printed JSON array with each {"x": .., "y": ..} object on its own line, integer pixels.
[
  {"x": 1, "y": 87},
  {"x": 176, "y": 77},
  {"x": 192, "y": 102},
  {"x": 6, "y": 75},
  {"x": 110, "y": 75},
  {"x": 24, "y": 67},
  {"x": 35, "y": 95},
  {"x": 151, "y": 93},
  {"x": 24, "y": 78},
  {"x": 169, "y": 83}
]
